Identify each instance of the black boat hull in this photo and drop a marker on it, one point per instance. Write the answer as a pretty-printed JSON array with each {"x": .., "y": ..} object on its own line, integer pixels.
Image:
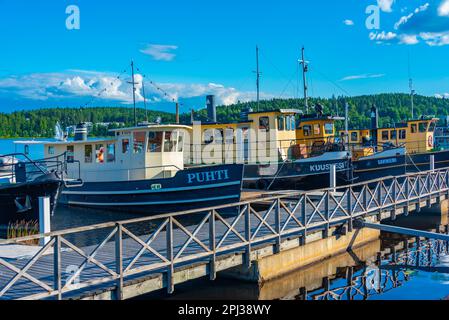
[
  {"x": 371, "y": 169},
  {"x": 297, "y": 175},
  {"x": 14, "y": 205},
  {"x": 189, "y": 189}
]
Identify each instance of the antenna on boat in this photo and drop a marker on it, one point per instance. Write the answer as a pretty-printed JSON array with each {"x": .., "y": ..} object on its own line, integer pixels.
[
  {"x": 257, "y": 77},
  {"x": 305, "y": 69},
  {"x": 134, "y": 93},
  {"x": 144, "y": 98},
  {"x": 410, "y": 85}
]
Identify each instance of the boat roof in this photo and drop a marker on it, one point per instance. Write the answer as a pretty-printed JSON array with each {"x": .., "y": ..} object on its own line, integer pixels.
[
  {"x": 153, "y": 127},
  {"x": 310, "y": 117},
  {"x": 296, "y": 111},
  {"x": 62, "y": 142}
]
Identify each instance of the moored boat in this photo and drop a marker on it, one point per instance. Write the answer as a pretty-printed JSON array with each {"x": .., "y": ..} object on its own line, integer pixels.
[
  {"x": 141, "y": 169},
  {"x": 23, "y": 182}
]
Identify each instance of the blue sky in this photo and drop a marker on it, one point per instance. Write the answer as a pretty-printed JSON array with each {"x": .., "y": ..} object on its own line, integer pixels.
[{"x": 193, "y": 48}]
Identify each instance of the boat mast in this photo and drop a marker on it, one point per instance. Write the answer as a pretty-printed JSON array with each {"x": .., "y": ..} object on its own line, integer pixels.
[
  {"x": 412, "y": 93},
  {"x": 305, "y": 69},
  {"x": 134, "y": 93},
  {"x": 144, "y": 100},
  {"x": 257, "y": 78},
  {"x": 410, "y": 85}
]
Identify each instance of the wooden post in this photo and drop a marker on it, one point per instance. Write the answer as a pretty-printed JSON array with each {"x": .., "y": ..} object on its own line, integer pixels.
[
  {"x": 333, "y": 177},
  {"x": 247, "y": 262},
  {"x": 326, "y": 214},
  {"x": 44, "y": 218},
  {"x": 212, "y": 246},
  {"x": 57, "y": 266},
  {"x": 170, "y": 257},
  {"x": 349, "y": 200},
  {"x": 277, "y": 227},
  {"x": 304, "y": 219},
  {"x": 119, "y": 261}
]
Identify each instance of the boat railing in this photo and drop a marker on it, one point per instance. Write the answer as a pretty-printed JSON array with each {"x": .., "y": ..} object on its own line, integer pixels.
[
  {"x": 34, "y": 168},
  {"x": 128, "y": 171},
  {"x": 284, "y": 149}
]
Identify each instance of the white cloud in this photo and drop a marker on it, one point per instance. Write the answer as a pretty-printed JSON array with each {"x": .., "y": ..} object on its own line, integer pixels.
[
  {"x": 443, "y": 9},
  {"x": 108, "y": 88},
  {"x": 160, "y": 52},
  {"x": 403, "y": 20},
  {"x": 385, "y": 5},
  {"x": 442, "y": 95},
  {"x": 348, "y": 22},
  {"x": 408, "y": 39},
  {"x": 363, "y": 76}
]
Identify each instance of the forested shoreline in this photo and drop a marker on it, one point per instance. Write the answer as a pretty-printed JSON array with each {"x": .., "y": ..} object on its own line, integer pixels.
[{"x": 393, "y": 108}]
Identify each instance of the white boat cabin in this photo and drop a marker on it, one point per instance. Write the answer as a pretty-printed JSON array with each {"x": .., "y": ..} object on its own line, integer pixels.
[{"x": 135, "y": 153}]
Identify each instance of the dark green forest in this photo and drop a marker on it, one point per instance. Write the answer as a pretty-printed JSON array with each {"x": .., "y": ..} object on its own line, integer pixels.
[{"x": 393, "y": 108}]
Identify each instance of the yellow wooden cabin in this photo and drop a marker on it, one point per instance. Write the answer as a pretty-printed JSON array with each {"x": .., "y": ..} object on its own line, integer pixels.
[
  {"x": 265, "y": 136},
  {"x": 314, "y": 132},
  {"x": 417, "y": 136}
]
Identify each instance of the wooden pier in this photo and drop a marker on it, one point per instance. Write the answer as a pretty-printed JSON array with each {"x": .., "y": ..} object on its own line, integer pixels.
[{"x": 261, "y": 237}]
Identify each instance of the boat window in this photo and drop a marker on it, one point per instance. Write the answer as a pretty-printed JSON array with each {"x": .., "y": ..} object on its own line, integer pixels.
[
  {"x": 329, "y": 128},
  {"x": 218, "y": 136},
  {"x": 307, "y": 130},
  {"x": 170, "y": 141},
  {"x": 208, "y": 136},
  {"x": 139, "y": 142},
  {"x": 99, "y": 153},
  {"x": 413, "y": 128},
  {"x": 229, "y": 136},
  {"x": 316, "y": 129},
  {"x": 281, "y": 123},
  {"x": 384, "y": 135},
  {"x": 111, "y": 152},
  {"x": 154, "y": 141},
  {"x": 125, "y": 146},
  {"x": 393, "y": 134},
  {"x": 422, "y": 127},
  {"x": 402, "y": 134},
  {"x": 70, "y": 153},
  {"x": 293, "y": 120},
  {"x": 51, "y": 150},
  {"x": 88, "y": 153},
  {"x": 432, "y": 127},
  {"x": 181, "y": 142},
  {"x": 354, "y": 136},
  {"x": 264, "y": 123}
]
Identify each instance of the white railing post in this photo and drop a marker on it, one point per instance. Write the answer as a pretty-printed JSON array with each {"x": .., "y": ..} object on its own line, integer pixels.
[
  {"x": 432, "y": 162},
  {"x": 333, "y": 177},
  {"x": 44, "y": 219}
]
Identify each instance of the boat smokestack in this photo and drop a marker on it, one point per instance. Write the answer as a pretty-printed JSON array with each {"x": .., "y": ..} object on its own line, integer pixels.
[
  {"x": 211, "y": 109},
  {"x": 81, "y": 132}
]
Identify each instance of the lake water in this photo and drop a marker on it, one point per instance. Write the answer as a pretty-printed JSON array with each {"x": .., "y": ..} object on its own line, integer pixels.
[{"x": 7, "y": 146}]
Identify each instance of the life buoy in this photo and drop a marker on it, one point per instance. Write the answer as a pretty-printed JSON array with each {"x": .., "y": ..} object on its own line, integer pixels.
[{"x": 430, "y": 141}]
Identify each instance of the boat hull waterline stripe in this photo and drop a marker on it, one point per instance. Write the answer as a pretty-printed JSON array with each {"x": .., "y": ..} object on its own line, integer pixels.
[
  {"x": 210, "y": 186},
  {"x": 110, "y": 204}
]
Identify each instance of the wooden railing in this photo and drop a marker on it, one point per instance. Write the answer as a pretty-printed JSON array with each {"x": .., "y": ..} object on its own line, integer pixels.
[{"x": 122, "y": 253}]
